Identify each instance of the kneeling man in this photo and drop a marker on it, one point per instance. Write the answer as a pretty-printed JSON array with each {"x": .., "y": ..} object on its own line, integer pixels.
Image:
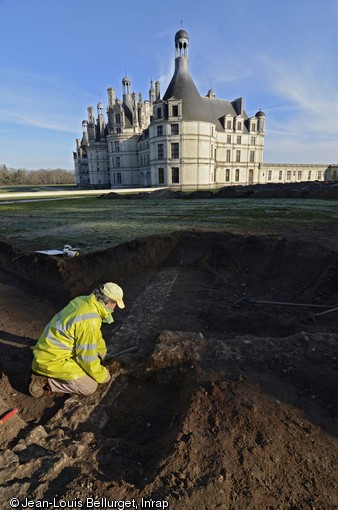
[{"x": 67, "y": 356}]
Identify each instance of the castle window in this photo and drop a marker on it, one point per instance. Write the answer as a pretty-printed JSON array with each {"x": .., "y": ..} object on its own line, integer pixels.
[
  {"x": 252, "y": 156},
  {"x": 117, "y": 146},
  {"x": 118, "y": 162},
  {"x": 253, "y": 140},
  {"x": 239, "y": 125},
  {"x": 175, "y": 175},
  {"x": 118, "y": 118},
  {"x": 228, "y": 138},
  {"x": 228, "y": 157},
  {"x": 161, "y": 175},
  {"x": 238, "y": 156},
  {"x": 253, "y": 127},
  {"x": 228, "y": 124},
  {"x": 309, "y": 175},
  {"x": 160, "y": 151},
  {"x": 280, "y": 175},
  {"x": 118, "y": 130},
  {"x": 175, "y": 149},
  {"x": 119, "y": 178},
  {"x": 237, "y": 174},
  {"x": 227, "y": 175},
  {"x": 299, "y": 175},
  {"x": 159, "y": 113},
  {"x": 269, "y": 175},
  {"x": 319, "y": 175},
  {"x": 174, "y": 110},
  {"x": 288, "y": 175},
  {"x": 174, "y": 129},
  {"x": 159, "y": 130},
  {"x": 239, "y": 140}
]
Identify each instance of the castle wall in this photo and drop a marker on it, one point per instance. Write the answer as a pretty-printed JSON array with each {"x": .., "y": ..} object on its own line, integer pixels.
[
  {"x": 287, "y": 172},
  {"x": 183, "y": 141}
]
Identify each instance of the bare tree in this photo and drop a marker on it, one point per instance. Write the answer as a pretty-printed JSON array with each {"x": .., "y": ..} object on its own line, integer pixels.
[{"x": 42, "y": 177}]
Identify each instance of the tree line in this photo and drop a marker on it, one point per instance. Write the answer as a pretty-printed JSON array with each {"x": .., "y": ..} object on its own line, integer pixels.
[{"x": 16, "y": 177}]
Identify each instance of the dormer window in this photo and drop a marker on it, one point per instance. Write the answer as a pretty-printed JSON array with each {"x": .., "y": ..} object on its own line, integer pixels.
[
  {"x": 239, "y": 125},
  {"x": 174, "y": 110},
  {"x": 159, "y": 113}
]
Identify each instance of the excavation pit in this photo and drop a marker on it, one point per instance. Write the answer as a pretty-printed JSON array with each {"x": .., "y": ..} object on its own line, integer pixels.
[{"x": 221, "y": 392}]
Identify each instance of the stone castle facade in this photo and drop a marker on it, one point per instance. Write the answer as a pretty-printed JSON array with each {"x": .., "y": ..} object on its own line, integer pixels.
[{"x": 182, "y": 140}]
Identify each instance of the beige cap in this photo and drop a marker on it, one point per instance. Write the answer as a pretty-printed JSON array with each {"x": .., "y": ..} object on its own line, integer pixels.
[{"x": 114, "y": 292}]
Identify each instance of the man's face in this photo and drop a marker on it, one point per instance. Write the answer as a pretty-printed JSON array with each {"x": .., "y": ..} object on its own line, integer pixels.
[{"x": 111, "y": 305}]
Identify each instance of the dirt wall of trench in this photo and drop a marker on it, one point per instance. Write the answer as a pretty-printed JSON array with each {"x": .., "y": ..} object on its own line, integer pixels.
[{"x": 284, "y": 267}]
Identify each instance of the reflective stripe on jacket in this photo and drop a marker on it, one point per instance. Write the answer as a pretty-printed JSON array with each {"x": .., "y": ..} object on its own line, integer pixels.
[{"x": 71, "y": 343}]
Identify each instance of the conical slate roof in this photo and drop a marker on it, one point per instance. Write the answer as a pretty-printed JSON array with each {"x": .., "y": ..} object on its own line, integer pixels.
[
  {"x": 194, "y": 106},
  {"x": 182, "y": 87}
]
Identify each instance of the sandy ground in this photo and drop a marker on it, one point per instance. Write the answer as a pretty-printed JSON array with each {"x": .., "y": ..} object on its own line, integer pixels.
[{"x": 226, "y": 404}]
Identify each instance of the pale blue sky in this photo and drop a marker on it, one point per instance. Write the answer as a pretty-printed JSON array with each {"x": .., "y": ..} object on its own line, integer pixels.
[{"x": 60, "y": 56}]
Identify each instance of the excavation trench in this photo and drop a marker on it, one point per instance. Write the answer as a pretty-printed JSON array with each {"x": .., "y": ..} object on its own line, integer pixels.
[{"x": 207, "y": 354}]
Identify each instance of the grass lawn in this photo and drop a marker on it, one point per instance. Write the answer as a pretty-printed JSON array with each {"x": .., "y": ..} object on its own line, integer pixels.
[{"x": 94, "y": 224}]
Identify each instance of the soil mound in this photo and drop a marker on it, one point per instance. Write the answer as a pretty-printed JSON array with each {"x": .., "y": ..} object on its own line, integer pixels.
[{"x": 315, "y": 190}]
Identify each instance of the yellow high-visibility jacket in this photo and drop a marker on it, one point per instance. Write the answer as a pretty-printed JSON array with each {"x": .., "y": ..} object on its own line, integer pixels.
[{"x": 71, "y": 343}]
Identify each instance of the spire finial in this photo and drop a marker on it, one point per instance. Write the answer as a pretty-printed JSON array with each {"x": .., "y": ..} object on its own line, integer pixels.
[{"x": 181, "y": 22}]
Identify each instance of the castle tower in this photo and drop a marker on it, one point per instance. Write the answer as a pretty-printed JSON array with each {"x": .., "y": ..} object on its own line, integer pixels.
[
  {"x": 100, "y": 122},
  {"x": 152, "y": 93},
  {"x": 261, "y": 121},
  {"x": 111, "y": 97},
  {"x": 157, "y": 90},
  {"x": 127, "y": 99},
  {"x": 91, "y": 124},
  {"x": 182, "y": 86},
  {"x": 181, "y": 44},
  {"x": 84, "y": 141}
]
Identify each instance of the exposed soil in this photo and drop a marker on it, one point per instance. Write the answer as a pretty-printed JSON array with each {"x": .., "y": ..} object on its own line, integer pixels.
[
  {"x": 307, "y": 189},
  {"x": 227, "y": 404}
]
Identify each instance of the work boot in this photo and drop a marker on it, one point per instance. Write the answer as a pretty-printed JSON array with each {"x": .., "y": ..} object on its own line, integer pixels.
[{"x": 38, "y": 385}]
